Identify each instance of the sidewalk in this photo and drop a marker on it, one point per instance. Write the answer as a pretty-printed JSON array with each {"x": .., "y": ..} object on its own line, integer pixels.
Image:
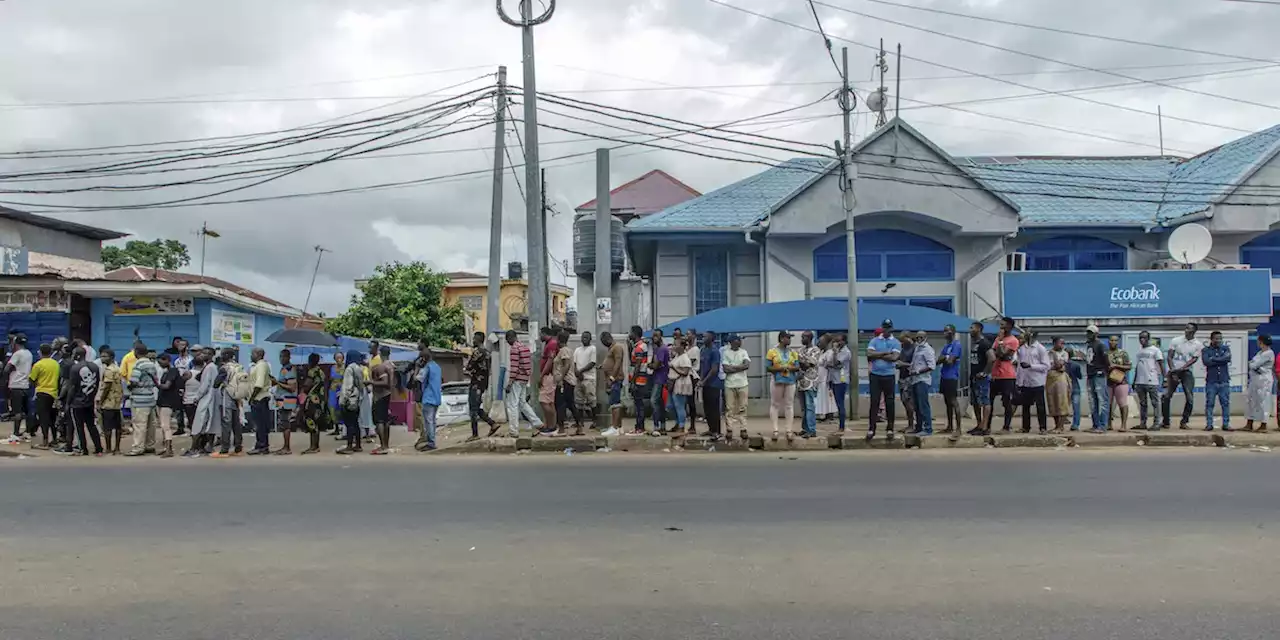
[{"x": 452, "y": 439}]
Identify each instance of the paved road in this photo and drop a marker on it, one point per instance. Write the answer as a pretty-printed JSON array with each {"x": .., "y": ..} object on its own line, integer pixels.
[{"x": 1162, "y": 545}]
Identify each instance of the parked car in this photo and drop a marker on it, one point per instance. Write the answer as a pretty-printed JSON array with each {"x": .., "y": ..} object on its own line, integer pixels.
[{"x": 453, "y": 404}]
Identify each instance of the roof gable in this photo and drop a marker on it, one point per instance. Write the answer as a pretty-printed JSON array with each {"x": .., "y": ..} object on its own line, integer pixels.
[
  {"x": 650, "y": 193},
  {"x": 741, "y": 204},
  {"x": 73, "y": 228},
  {"x": 1213, "y": 175}
]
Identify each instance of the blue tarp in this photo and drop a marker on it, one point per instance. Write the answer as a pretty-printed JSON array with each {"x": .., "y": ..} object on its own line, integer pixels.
[
  {"x": 823, "y": 314},
  {"x": 347, "y": 343}
]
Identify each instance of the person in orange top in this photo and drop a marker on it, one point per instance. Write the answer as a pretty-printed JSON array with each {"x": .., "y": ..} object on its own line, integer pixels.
[{"x": 1004, "y": 373}]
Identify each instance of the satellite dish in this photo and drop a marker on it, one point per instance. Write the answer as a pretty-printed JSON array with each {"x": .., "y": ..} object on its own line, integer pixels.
[
  {"x": 1190, "y": 243},
  {"x": 877, "y": 100}
]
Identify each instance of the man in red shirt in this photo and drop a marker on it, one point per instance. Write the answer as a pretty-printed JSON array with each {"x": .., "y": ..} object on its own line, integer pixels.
[
  {"x": 1004, "y": 372},
  {"x": 546, "y": 383},
  {"x": 519, "y": 368}
]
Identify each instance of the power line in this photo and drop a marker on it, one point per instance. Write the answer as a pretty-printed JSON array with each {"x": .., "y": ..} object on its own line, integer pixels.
[
  {"x": 825, "y": 40},
  {"x": 980, "y": 75},
  {"x": 1035, "y": 56},
  {"x": 1070, "y": 32}
]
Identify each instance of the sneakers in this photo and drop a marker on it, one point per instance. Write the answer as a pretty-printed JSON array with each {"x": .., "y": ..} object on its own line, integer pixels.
[
  {"x": 219, "y": 454},
  {"x": 610, "y": 432},
  {"x": 13, "y": 440}
]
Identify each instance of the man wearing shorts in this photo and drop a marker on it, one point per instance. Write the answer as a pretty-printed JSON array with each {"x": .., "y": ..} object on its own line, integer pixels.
[
  {"x": 383, "y": 375},
  {"x": 286, "y": 396},
  {"x": 614, "y": 375},
  {"x": 784, "y": 366},
  {"x": 584, "y": 392},
  {"x": 980, "y": 362},
  {"x": 950, "y": 365},
  {"x": 110, "y": 399}
]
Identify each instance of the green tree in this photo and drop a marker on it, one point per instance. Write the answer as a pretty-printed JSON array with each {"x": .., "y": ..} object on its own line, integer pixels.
[
  {"x": 169, "y": 255},
  {"x": 402, "y": 302}
]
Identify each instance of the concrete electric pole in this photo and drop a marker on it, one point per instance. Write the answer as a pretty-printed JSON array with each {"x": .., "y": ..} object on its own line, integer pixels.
[
  {"x": 848, "y": 173},
  {"x": 492, "y": 319},
  {"x": 538, "y": 264},
  {"x": 604, "y": 248}
]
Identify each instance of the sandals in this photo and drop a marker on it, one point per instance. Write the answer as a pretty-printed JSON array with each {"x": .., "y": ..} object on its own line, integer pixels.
[
  {"x": 379, "y": 452},
  {"x": 282, "y": 452},
  {"x": 310, "y": 451}
]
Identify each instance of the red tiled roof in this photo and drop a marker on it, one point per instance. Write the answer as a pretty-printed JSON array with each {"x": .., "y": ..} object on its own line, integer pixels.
[
  {"x": 650, "y": 193},
  {"x": 147, "y": 274}
]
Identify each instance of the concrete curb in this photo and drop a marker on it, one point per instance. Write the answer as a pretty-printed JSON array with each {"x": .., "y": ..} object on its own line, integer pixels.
[{"x": 758, "y": 443}]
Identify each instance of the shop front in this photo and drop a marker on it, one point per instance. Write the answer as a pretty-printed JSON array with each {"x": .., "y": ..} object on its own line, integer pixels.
[{"x": 1126, "y": 303}]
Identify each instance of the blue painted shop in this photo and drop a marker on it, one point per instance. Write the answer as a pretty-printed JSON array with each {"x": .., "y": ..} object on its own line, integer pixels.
[{"x": 122, "y": 313}]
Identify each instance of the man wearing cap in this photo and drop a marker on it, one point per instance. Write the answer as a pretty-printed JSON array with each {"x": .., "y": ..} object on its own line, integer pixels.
[
  {"x": 1004, "y": 373},
  {"x": 735, "y": 362},
  {"x": 784, "y": 366},
  {"x": 1096, "y": 367},
  {"x": 882, "y": 352}
]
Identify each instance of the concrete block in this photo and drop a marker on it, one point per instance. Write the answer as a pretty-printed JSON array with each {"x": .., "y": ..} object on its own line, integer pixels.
[
  {"x": 1253, "y": 439},
  {"x": 1180, "y": 439},
  {"x": 642, "y": 443},
  {"x": 1025, "y": 440},
  {"x": 579, "y": 444},
  {"x": 1111, "y": 439},
  {"x": 938, "y": 441},
  {"x": 524, "y": 443},
  {"x": 879, "y": 442}
]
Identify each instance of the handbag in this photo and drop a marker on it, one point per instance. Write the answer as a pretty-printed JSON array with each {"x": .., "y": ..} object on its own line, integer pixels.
[{"x": 1116, "y": 377}]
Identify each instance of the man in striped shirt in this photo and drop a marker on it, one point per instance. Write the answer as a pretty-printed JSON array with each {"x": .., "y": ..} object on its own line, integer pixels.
[{"x": 519, "y": 370}]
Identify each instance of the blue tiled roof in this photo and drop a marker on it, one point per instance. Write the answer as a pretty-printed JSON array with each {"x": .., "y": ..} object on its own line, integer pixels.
[
  {"x": 1067, "y": 191},
  {"x": 1136, "y": 191},
  {"x": 1206, "y": 176},
  {"x": 741, "y": 204}
]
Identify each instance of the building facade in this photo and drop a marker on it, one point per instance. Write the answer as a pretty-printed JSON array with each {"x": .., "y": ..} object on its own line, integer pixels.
[
  {"x": 939, "y": 231},
  {"x": 470, "y": 291}
]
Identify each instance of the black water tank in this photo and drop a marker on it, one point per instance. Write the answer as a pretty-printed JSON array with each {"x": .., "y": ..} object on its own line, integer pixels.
[
  {"x": 584, "y": 246},
  {"x": 515, "y": 271}
]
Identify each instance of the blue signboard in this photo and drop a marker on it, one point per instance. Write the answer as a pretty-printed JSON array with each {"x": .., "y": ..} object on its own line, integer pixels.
[{"x": 1137, "y": 294}]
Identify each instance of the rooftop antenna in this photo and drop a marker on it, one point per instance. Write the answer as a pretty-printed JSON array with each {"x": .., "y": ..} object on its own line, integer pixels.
[
  {"x": 879, "y": 99},
  {"x": 1189, "y": 244},
  {"x": 320, "y": 251},
  {"x": 1160, "y": 124}
]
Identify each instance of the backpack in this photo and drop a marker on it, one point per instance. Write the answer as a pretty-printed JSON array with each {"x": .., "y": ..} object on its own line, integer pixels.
[{"x": 238, "y": 386}]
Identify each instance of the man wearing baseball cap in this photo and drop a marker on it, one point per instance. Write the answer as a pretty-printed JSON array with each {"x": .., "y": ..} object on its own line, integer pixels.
[{"x": 882, "y": 353}]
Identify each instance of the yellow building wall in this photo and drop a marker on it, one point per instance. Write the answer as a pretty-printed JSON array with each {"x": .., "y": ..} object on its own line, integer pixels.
[{"x": 475, "y": 302}]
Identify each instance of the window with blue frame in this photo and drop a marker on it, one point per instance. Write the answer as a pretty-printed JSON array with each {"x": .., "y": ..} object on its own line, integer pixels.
[
  {"x": 710, "y": 279},
  {"x": 941, "y": 304},
  {"x": 1263, "y": 252},
  {"x": 885, "y": 255},
  {"x": 1075, "y": 253}
]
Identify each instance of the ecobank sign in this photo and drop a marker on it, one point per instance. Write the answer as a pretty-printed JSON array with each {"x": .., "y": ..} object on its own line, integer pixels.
[
  {"x": 1136, "y": 294},
  {"x": 1144, "y": 295}
]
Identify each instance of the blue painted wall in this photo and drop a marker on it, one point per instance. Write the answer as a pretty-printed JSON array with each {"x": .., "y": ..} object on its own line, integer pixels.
[{"x": 158, "y": 331}]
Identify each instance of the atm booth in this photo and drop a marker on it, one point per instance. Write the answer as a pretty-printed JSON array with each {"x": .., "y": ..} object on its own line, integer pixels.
[{"x": 1125, "y": 303}]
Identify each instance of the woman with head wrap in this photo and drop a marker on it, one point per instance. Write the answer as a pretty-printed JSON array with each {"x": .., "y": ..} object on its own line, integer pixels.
[{"x": 349, "y": 400}]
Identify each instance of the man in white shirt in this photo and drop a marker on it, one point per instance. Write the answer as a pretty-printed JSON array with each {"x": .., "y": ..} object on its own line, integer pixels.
[
  {"x": 18, "y": 372},
  {"x": 1184, "y": 352},
  {"x": 1147, "y": 374},
  {"x": 584, "y": 369},
  {"x": 735, "y": 364}
]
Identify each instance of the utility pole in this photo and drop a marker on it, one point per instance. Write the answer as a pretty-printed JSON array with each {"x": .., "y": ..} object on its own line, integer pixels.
[
  {"x": 848, "y": 173},
  {"x": 205, "y": 234},
  {"x": 604, "y": 248},
  {"x": 546, "y": 250},
  {"x": 534, "y": 217},
  {"x": 320, "y": 251},
  {"x": 492, "y": 319}
]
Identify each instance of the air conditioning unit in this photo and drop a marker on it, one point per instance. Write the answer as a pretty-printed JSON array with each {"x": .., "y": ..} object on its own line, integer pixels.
[
  {"x": 1015, "y": 262},
  {"x": 1166, "y": 265},
  {"x": 1231, "y": 267}
]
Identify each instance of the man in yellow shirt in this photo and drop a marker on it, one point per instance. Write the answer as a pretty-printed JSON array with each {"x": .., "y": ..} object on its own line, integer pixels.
[
  {"x": 44, "y": 378},
  {"x": 259, "y": 401}
]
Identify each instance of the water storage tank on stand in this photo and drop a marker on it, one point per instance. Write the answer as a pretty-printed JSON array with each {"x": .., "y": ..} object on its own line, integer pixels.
[
  {"x": 584, "y": 246},
  {"x": 515, "y": 271}
]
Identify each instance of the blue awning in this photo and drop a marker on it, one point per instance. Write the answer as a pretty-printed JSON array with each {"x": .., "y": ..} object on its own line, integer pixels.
[{"x": 823, "y": 314}]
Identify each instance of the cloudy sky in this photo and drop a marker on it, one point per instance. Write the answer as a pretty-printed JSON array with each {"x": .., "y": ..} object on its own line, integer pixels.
[{"x": 247, "y": 66}]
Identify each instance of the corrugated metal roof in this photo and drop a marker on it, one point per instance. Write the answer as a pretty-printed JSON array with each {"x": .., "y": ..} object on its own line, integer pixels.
[
  {"x": 74, "y": 228},
  {"x": 738, "y": 205}
]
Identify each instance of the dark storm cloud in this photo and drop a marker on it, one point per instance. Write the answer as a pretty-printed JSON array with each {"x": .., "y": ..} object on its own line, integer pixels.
[{"x": 77, "y": 50}]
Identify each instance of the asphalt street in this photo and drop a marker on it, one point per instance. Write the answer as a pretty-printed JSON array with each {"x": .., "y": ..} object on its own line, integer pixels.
[{"x": 1166, "y": 545}]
